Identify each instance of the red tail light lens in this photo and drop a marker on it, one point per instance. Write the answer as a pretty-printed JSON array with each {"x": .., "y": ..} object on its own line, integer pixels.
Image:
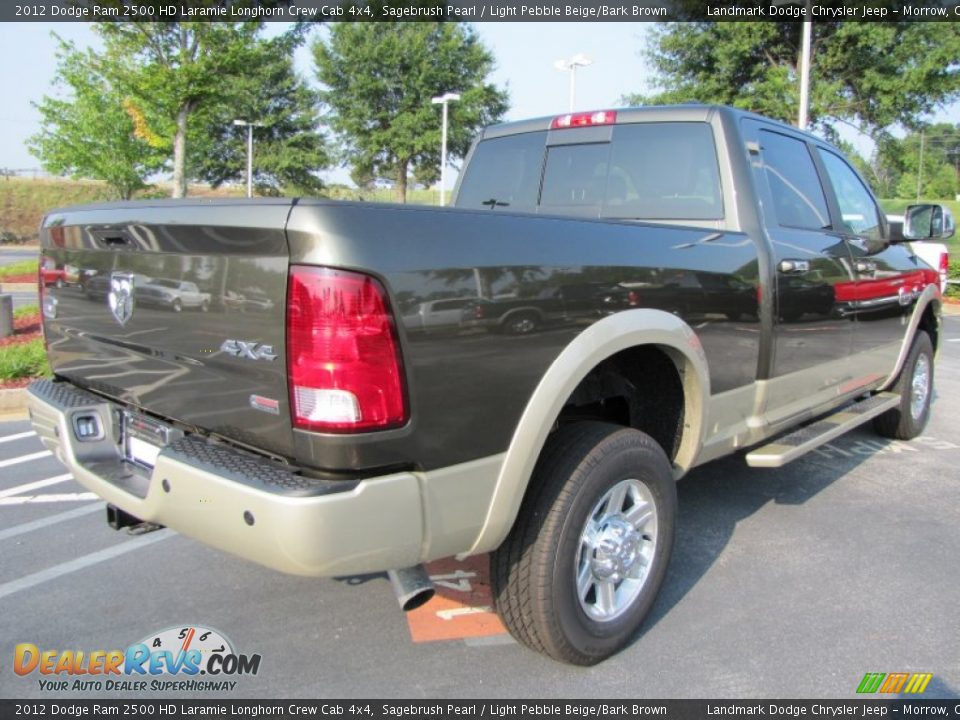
[
  {"x": 343, "y": 358},
  {"x": 944, "y": 268}
]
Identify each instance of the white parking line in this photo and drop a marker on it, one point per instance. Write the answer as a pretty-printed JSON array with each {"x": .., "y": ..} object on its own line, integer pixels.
[
  {"x": 52, "y": 573},
  {"x": 61, "y": 497},
  {"x": 24, "y": 458},
  {"x": 18, "y": 436},
  {"x": 20, "y": 489},
  {"x": 50, "y": 520}
]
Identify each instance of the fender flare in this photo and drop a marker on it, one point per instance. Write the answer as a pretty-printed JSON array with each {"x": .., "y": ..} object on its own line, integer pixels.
[
  {"x": 929, "y": 296},
  {"x": 603, "y": 339}
]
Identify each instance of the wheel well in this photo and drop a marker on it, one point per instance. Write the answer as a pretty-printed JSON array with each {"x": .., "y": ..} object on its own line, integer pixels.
[
  {"x": 929, "y": 324},
  {"x": 639, "y": 387}
]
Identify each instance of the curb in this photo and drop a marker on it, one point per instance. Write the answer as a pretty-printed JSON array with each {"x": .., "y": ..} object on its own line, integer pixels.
[
  {"x": 13, "y": 401},
  {"x": 17, "y": 287}
]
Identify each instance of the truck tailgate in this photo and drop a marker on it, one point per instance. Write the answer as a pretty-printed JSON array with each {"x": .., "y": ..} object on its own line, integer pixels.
[{"x": 176, "y": 308}]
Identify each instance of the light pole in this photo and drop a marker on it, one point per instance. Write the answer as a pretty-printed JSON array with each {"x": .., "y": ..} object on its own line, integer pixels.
[
  {"x": 571, "y": 65},
  {"x": 249, "y": 126},
  {"x": 444, "y": 100},
  {"x": 805, "y": 68}
]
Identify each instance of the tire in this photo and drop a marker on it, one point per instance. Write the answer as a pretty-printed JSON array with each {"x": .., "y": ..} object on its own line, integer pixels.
[
  {"x": 915, "y": 387},
  {"x": 205, "y": 306},
  {"x": 553, "y": 588},
  {"x": 177, "y": 306},
  {"x": 521, "y": 323},
  {"x": 59, "y": 283}
]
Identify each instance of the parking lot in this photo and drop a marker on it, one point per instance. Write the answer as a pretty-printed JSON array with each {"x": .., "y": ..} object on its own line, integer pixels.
[{"x": 784, "y": 583}]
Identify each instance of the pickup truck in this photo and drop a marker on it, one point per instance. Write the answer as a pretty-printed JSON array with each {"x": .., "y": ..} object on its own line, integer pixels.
[{"x": 717, "y": 282}]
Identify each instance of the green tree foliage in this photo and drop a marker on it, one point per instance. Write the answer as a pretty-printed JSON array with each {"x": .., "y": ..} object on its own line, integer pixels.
[
  {"x": 89, "y": 130},
  {"x": 381, "y": 78},
  {"x": 287, "y": 148},
  {"x": 172, "y": 70},
  {"x": 872, "y": 75},
  {"x": 940, "y": 178}
]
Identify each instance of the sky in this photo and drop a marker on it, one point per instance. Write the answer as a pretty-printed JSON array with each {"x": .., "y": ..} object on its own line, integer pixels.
[{"x": 525, "y": 54}]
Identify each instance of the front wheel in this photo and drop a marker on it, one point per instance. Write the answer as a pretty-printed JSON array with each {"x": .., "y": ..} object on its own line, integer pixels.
[
  {"x": 915, "y": 387},
  {"x": 589, "y": 550}
]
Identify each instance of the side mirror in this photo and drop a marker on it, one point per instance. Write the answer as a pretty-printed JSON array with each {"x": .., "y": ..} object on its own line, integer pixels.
[{"x": 928, "y": 222}]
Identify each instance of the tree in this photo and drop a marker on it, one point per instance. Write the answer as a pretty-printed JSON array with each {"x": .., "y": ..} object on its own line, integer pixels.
[
  {"x": 872, "y": 75},
  {"x": 380, "y": 78},
  {"x": 287, "y": 148},
  {"x": 93, "y": 132},
  {"x": 171, "y": 70},
  {"x": 940, "y": 176}
]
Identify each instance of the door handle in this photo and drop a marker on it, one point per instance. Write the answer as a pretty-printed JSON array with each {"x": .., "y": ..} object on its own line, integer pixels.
[
  {"x": 866, "y": 267},
  {"x": 793, "y": 267}
]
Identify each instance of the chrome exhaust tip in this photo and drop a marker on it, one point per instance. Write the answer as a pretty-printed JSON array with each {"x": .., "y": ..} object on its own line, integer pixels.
[{"x": 412, "y": 586}]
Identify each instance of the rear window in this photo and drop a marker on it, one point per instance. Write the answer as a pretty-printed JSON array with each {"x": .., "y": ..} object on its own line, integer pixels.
[{"x": 648, "y": 171}]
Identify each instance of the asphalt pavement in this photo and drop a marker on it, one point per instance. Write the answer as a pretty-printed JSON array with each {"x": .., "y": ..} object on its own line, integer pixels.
[{"x": 784, "y": 583}]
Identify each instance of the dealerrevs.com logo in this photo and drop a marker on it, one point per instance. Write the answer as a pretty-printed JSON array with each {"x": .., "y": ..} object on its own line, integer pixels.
[{"x": 173, "y": 659}]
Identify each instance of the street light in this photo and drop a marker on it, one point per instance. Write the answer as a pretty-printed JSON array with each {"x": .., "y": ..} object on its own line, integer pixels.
[
  {"x": 805, "y": 68},
  {"x": 443, "y": 100},
  {"x": 249, "y": 126},
  {"x": 571, "y": 65}
]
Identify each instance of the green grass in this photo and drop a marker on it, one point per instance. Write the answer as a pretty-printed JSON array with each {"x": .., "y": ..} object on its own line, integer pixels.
[
  {"x": 25, "y": 311},
  {"x": 24, "y": 267},
  {"x": 24, "y": 360}
]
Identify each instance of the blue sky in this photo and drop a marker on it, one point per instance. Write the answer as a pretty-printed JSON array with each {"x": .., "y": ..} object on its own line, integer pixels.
[{"x": 525, "y": 55}]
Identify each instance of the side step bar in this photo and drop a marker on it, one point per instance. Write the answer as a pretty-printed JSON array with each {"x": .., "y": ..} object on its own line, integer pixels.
[{"x": 790, "y": 447}]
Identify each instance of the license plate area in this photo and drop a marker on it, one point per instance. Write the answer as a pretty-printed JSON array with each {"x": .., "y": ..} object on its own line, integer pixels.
[{"x": 143, "y": 438}]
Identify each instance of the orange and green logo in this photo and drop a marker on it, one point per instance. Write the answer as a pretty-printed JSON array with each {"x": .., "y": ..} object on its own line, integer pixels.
[{"x": 894, "y": 683}]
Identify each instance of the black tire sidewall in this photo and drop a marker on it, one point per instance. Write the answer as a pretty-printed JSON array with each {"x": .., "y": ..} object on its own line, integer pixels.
[
  {"x": 909, "y": 425},
  {"x": 641, "y": 462}
]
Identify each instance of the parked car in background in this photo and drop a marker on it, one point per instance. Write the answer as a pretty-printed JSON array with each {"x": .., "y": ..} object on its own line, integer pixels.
[
  {"x": 50, "y": 274},
  {"x": 435, "y": 315},
  {"x": 173, "y": 294}
]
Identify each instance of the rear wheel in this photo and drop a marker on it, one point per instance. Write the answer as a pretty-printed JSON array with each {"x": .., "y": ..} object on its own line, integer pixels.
[
  {"x": 177, "y": 306},
  {"x": 589, "y": 550},
  {"x": 915, "y": 387}
]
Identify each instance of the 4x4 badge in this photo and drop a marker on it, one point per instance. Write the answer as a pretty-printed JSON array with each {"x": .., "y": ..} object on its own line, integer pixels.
[{"x": 120, "y": 296}]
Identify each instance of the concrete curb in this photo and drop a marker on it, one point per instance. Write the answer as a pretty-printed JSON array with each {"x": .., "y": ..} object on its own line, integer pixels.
[
  {"x": 13, "y": 401},
  {"x": 17, "y": 287}
]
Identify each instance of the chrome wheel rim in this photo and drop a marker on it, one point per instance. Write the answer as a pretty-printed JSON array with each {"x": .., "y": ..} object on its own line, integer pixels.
[
  {"x": 617, "y": 547},
  {"x": 920, "y": 386},
  {"x": 523, "y": 325}
]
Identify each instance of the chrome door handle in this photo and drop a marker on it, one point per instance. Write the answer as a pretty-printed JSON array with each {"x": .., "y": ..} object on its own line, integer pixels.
[{"x": 793, "y": 267}]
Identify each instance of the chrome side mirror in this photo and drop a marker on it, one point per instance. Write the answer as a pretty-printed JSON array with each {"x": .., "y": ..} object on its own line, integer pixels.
[{"x": 928, "y": 222}]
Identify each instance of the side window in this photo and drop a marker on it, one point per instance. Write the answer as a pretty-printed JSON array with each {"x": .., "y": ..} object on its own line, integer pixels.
[
  {"x": 859, "y": 211},
  {"x": 504, "y": 173},
  {"x": 798, "y": 198}
]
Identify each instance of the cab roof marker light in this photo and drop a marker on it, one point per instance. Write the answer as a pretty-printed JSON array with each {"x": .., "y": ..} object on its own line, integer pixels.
[{"x": 584, "y": 119}]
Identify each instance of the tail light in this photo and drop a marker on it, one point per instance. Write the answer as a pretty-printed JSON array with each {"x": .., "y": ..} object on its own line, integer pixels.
[
  {"x": 633, "y": 298},
  {"x": 343, "y": 358},
  {"x": 478, "y": 312},
  {"x": 944, "y": 269}
]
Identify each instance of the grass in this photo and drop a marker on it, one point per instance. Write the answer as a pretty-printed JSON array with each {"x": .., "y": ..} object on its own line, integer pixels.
[
  {"x": 24, "y": 267},
  {"x": 24, "y": 360},
  {"x": 26, "y": 311}
]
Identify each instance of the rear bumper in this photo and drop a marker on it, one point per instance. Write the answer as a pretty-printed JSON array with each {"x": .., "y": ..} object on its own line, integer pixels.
[{"x": 236, "y": 501}]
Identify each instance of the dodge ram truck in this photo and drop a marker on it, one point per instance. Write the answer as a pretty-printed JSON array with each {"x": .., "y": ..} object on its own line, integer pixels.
[{"x": 704, "y": 281}]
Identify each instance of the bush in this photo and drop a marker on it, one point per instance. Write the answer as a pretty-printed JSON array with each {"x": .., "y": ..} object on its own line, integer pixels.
[{"x": 953, "y": 291}]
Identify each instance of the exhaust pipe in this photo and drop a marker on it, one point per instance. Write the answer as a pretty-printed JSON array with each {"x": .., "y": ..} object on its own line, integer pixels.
[{"x": 412, "y": 585}]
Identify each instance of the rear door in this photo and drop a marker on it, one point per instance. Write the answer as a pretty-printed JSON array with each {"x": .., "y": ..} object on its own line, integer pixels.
[{"x": 157, "y": 319}]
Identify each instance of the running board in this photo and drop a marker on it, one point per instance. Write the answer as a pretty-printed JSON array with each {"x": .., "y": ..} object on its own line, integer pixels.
[{"x": 790, "y": 447}]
